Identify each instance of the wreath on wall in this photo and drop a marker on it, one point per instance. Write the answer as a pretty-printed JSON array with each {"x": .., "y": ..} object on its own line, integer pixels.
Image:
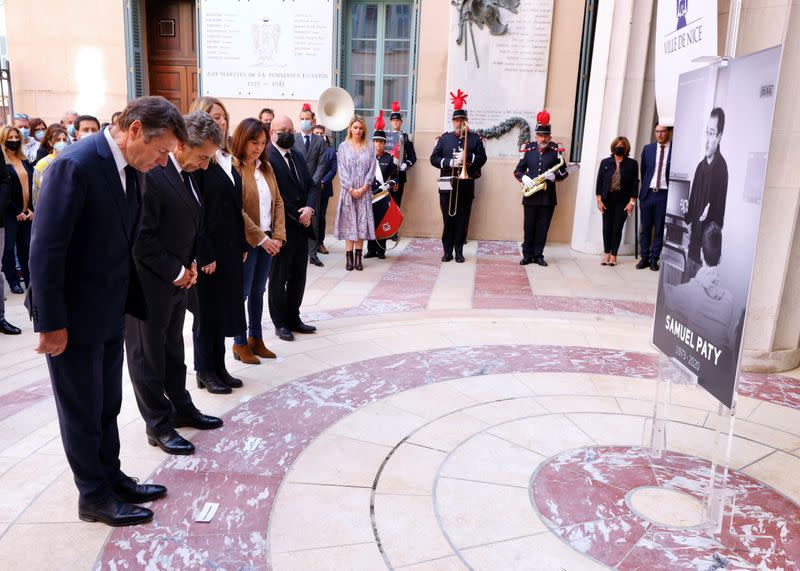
[{"x": 504, "y": 127}]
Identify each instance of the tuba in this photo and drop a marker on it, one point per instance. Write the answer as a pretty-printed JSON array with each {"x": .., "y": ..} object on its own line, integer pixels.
[
  {"x": 336, "y": 108},
  {"x": 540, "y": 183}
]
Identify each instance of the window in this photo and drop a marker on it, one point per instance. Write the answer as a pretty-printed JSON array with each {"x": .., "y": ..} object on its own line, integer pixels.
[
  {"x": 584, "y": 69},
  {"x": 379, "y": 56}
]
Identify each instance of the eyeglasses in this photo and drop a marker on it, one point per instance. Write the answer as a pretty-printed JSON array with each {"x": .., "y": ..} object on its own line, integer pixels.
[
  {"x": 660, "y": 131},
  {"x": 20, "y": 116}
]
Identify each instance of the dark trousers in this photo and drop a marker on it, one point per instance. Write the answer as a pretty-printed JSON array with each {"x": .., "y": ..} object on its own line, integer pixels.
[
  {"x": 454, "y": 232},
  {"x": 87, "y": 384},
  {"x": 156, "y": 364},
  {"x": 18, "y": 236},
  {"x": 320, "y": 219},
  {"x": 398, "y": 194},
  {"x": 536, "y": 224},
  {"x": 653, "y": 210},
  {"x": 376, "y": 246},
  {"x": 287, "y": 278},
  {"x": 613, "y": 221},
  {"x": 254, "y": 279},
  {"x": 209, "y": 349},
  {"x": 313, "y": 241}
]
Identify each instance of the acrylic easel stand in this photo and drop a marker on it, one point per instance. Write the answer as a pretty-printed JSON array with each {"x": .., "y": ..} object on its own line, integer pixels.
[{"x": 719, "y": 498}]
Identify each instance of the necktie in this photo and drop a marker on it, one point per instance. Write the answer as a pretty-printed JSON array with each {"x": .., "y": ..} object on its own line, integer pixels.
[
  {"x": 660, "y": 164},
  {"x": 132, "y": 199},
  {"x": 187, "y": 182},
  {"x": 292, "y": 168},
  {"x": 308, "y": 144}
]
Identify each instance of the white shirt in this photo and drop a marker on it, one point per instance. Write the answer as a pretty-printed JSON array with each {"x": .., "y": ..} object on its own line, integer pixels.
[
  {"x": 663, "y": 168},
  {"x": 226, "y": 162},
  {"x": 119, "y": 158},
  {"x": 264, "y": 200},
  {"x": 30, "y": 148},
  {"x": 180, "y": 171}
]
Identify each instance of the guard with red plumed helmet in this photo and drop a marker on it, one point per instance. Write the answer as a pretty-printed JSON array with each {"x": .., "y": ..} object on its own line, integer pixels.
[
  {"x": 409, "y": 157},
  {"x": 542, "y": 159}
]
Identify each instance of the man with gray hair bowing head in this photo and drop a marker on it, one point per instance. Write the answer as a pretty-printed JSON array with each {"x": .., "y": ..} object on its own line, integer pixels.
[
  {"x": 164, "y": 255},
  {"x": 90, "y": 212}
]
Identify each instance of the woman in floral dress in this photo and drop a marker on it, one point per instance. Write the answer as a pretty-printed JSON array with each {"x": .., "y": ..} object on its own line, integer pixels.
[{"x": 354, "y": 221}]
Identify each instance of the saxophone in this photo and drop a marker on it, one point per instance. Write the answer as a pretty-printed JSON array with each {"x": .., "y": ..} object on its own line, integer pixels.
[{"x": 540, "y": 183}]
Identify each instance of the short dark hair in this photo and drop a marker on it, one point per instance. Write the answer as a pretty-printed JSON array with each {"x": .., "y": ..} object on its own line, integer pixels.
[
  {"x": 114, "y": 116},
  {"x": 712, "y": 244},
  {"x": 719, "y": 114},
  {"x": 85, "y": 118},
  {"x": 156, "y": 115},
  {"x": 624, "y": 142},
  {"x": 249, "y": 130},
  {"x": 35, "y": 122},
  {"x": 266, "y": 110},
  {"x": 200, "y": 128}
]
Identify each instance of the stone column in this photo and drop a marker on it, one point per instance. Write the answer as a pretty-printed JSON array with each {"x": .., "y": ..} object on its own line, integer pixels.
[
  {"x": 615, "y": 102},
  {"x": 772, "y": 334}
]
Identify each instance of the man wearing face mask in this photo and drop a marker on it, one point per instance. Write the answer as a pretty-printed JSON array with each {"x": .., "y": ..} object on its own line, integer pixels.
[
  {"x": 541, "y": 157},
  {"x": 313, "y": 150},
  {"x": 29, "y": 144},
  {"x": 287, "y": 276},
  {"x": 86, "y": 126},
  {"x": 68, "y": 121}
]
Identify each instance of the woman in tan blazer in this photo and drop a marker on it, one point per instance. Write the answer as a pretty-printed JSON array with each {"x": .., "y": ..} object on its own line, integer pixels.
[{"x": 265, "y": 231}]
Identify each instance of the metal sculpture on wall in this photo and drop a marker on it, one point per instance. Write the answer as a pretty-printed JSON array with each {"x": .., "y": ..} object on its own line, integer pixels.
[
  {"x": 504, "y": 127},
  {"x": 483, "y": 13}
]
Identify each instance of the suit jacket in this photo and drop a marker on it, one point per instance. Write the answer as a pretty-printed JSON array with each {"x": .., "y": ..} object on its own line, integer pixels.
[
  {"x": 331, "y": 168},
  {"x": 13, "y": 188},
  {"x": 315, "y": 157},
  {"x": 251, "y": 207},
  {"x": 167, "y": 242},
  {"x": 629, "y": 177},
  {"x": 648, "y": 166},
  {"x": 295, "y": 193},
  {"x": 82, "y": 273}
]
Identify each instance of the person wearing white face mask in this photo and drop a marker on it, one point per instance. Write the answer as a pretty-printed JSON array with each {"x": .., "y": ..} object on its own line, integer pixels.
[
  {"x": 56, "y": 139},
  {"x": 68, "y": 121},
  {"x": 29, "y": 144},
  {"x": 313, "y": 150},
  {"x": 86, "y": 126},
  {"x": 38, "y": 127}
]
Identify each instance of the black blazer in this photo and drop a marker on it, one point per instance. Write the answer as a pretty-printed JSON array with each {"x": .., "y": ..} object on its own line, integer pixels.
[
  {"x": 629, "y": 177},
  {"x": 167, "y": 241},
  {"x": 13, "y": 189},
  {"x": 296, "y": 194},
  {"x": 648, "y": 167},
  {"x": 82, "y": 272},
  {"x": 315, "y": 158}
]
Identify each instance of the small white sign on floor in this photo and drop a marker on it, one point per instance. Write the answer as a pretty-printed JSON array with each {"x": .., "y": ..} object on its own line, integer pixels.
[{"x": 207, "y": 513}]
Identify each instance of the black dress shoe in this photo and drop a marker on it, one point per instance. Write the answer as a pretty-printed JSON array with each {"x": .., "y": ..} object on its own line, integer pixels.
[
  {"x": 316, "y": 261},
  {"x": 540, "y": 261},
  {"x": 525, "y": 261},
  {"x": 654, "y": 264},
  {"x": 381, "y": 255},
  {"x": 171, "y": 442},
  {"x": 369, "y": 255},
  {"x": 230, "y": 380},
  {"x": 7, "y": 328},
  {"x": 212, "y": 383},
  {"x": 301, "y": 327},
  {"x": 459, "y": 259},
  {"x": 643, "y": 263},
  {"x": 128, "y": 490},
  {"x": 195, "y": 419},
  {"x": 284, "y": 333},
  {"x": 447, "y": 258},
  {"x": 114, "y": 512},
  {"x": 16, "y": 288}
]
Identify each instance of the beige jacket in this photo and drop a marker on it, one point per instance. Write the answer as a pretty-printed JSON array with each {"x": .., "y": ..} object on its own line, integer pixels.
[{"x": 250, "y": 206}]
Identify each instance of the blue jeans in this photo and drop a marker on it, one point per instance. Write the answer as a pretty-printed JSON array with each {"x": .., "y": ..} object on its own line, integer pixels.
[{"x": 256, "y": 272}]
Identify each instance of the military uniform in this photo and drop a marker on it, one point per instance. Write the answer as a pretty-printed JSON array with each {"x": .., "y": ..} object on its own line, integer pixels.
[
  {"x": 409, "y": 158},
  {"x": 540, "y": 206},
  {"x": 455, "y": 227},
  {"x": 388, "y": 173}
]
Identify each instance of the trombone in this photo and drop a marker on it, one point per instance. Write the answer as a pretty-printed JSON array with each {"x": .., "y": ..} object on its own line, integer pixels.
[{"x": 452, "y": 207}]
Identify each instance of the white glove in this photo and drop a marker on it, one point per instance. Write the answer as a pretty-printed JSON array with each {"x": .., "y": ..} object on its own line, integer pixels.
[
  {"x": 458, "y": 159},
  {"x": 526, "y": 180},
  {"x": 384, "y": 186},
  {"x": 550, "y": 176},
  {"x": 403, "y": 166}
]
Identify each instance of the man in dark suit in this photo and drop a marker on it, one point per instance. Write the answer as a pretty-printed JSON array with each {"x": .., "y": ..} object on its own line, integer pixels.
[
  {"x": 83, "y": 281},
  {"x": 287, "y": 277},
  {"x": 164, "y": 255},
  {"x": 313, "y": 151},
  {"x": 654, "y": 168}
]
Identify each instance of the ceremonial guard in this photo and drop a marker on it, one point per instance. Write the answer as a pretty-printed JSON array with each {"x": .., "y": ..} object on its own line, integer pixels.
[
  {"x": 458, "y": 170},
  {"x": 409, "y": 157},
  {"x": 539, "y": 169},
  {"x": 386, "y": 180}
]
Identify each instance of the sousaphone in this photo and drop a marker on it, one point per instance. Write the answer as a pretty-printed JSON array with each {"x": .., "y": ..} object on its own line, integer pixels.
[{"x": 335, "y": 108}]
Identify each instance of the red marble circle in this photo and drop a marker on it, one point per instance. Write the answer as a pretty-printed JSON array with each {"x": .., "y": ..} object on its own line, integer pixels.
[{"x": 580, "y": 494}]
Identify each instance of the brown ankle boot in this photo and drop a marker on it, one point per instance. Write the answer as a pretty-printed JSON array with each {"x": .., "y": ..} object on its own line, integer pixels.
[
  {"x": 244, "y": 354},
  {"x": 358, "y": 265},
  {"x": 349, "y": 261},
  {"x": 258, "y": 348}
]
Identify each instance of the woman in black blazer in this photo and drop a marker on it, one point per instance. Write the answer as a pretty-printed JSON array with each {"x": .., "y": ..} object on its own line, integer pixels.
[
  {"x": 617, "y": 183},
  {"x": 18, "y": 214}
]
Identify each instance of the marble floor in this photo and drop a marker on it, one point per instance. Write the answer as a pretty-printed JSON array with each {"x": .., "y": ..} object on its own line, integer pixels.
[{"x": 482, "y": 416}]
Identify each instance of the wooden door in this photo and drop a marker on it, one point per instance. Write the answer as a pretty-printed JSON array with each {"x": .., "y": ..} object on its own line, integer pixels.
[{"x": 172, "y": 50}]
